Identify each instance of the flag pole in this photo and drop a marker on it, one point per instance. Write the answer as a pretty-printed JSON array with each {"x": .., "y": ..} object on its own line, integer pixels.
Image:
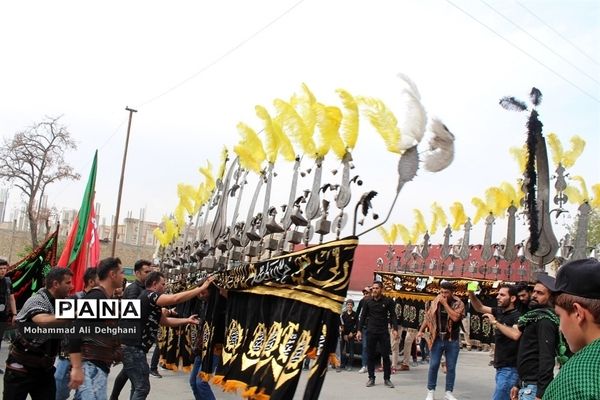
[{"x": 116, "y": 225}]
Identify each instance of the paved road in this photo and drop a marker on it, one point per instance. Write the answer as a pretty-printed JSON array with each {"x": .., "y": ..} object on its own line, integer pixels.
[{"x": 475, "y": 380}]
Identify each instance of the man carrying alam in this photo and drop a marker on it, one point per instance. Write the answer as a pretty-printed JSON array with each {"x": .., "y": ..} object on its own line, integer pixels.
[{"x": 505, "y": 356}]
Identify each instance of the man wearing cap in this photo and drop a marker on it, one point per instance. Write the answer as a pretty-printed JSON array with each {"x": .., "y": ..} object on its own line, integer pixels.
[
  {"x": 348, "y": 328},
  {"x": 537, "y": 330},
  {"x": 442, "y": 320},
  {"x": 578, "y": 306}
]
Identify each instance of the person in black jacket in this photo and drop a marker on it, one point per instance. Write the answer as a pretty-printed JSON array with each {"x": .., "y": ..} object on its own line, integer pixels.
[
  {"x": 348, "y": 327},
  {"x": 379, "y": 312}
]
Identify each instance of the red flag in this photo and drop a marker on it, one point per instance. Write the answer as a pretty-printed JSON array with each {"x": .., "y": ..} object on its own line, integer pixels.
[{"x": 82, "y": 249}]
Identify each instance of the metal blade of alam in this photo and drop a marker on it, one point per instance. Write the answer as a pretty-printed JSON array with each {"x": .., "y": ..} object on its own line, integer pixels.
[
  {"x": 313, "y": 205},
  {"x": 266, "y": 204},
  {"x": 286, "y": 221},
  {"x": 487, "y": 252},
  {"x": 580, "y": 243},
  {"x": 241, "y": 182},
  {"x": 344, "y": 193},
  {"x": 248, "y": 225},
  {"x": 220, "y": 221}
]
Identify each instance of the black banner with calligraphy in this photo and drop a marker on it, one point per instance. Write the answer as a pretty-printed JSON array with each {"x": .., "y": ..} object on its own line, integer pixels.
[{"x": 279, "y": 312}]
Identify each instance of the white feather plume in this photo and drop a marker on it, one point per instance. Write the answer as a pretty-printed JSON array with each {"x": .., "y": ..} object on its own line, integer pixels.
[
  {"x": 409, "y": 85},
  {"x": 412, "y": 120},
  {"x": 440, "y": 153}
]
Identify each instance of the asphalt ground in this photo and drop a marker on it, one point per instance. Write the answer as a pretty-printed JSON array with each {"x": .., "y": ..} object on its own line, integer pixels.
[{"x": 474, "y": 380}]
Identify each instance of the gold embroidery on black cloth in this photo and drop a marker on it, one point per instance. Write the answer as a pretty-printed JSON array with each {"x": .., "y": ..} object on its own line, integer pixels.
[
  {"x": 234, "y": 339},
  {"x": 295, "y": 359},
  {"x": 252, "y": 356},
  {"x": 273, "y": 339}
]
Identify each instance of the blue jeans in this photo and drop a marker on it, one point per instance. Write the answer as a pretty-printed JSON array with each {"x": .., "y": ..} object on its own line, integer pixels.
[
  {"x": 506, "y": 378},
  {"x": 363, "y": 356},
  {"x": 200, "y": 388},
  {"x": 136, "y": 367},
  {"x": 62, "y": 376},
  {"x": 450, "y": 348},
  {"x": 528, "y": 392},
  {"x": 94, "y": 383}
]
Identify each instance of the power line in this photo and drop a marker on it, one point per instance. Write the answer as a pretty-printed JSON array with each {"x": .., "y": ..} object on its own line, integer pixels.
[
  {"x": 591, "y": 96},
  {"x": 559, "y": 34},
  {"x": 539, "y": 41},
  {"x": 223, "y": 56}
]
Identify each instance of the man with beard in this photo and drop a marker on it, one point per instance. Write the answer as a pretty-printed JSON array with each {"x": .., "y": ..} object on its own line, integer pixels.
[
  {"x": 505, "y": 356},
  {"x": 443, "y": 319},
  {"x": 377, "y": 314},
  {"x": 523, "y": 296},
  {"x": 30, "y": 363},
  {"x": 537, "y": 330}
]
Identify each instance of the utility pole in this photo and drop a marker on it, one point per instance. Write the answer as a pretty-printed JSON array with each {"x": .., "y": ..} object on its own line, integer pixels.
[{"x": 116, "y": 226}]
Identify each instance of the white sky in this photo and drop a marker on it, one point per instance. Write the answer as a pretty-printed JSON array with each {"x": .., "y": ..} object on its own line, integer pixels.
[{"x": 90, "y": 61}]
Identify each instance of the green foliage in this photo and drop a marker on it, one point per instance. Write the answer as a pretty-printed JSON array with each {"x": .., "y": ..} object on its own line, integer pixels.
[{"x": 593, "y": 239}]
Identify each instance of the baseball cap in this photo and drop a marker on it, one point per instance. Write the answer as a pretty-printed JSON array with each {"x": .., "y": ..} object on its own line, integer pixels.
[
  {"x": 579, "y": 278},
  {"x": 547, "y": 280}
]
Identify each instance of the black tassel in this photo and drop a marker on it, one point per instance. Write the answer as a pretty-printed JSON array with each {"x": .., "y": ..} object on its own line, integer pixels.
[
  {"x": 535, "y": 96},
  {"x": 366, "y": 201},
  {"x": 512, "y": 104},
  {"x": 534, "y": 130}
]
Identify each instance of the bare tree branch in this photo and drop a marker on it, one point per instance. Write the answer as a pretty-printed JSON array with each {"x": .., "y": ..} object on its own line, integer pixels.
[{"x": 34, "y": 158}]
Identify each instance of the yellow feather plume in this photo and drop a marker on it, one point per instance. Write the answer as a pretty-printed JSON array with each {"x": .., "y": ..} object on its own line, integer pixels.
[
  {"x": 439, "y": 218},
  {"x": 250, "y": 150},
  {"x": 304, "y": 104},
  {"x": 570, "y": 156},
  {"x": 208, "y": 175},
  {"x": 497, "y": 201},
  {"x": 520, "y": 155},
  {"x": 481, "y": 209},
  {"x": 221, "y": 170},
  {"x": 328, "y": 121},
  {"x": 404, "y": 233},
  {"x": 202, "y": 195},
  {"x": 294, "y": 125},
  {"x": 420, "y": 227},
  {"x": 458, "y": 215},
  {"x": 186, "y": 196},
  {"x": 160, "y": 236},
  {"x": 383, "y": 120},
  {"x": 179, "y": 214},
  {"x": 350, "y": 119},
  {"x": 285, "y": 146},
  {"x": 556, "y": 148},
  {"x": 272, "y": 142},
  {"x": 514, "y": 195},
  {"x": 583, "y": 186},
  {"x": 595, "y": 202},
  {"x": 574, "y": 195},
  {"x": 388, "y": 237}
]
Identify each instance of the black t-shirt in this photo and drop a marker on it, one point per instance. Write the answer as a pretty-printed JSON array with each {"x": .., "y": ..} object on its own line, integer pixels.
[
  {"x": 442, "y": 315},
  {"x": 5, "y": 292},
  {"x": 506, "y": 351},
  {"x": 349, "y": 322},
  {"x": 133, "y": 290},
  {"x": 149, "y": 322}
]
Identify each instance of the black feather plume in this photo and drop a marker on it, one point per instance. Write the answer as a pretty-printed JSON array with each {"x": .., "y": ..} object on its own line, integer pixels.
[
  {"x": 512, "y": 104},
  {"x": 366, "y": 201},
  {"x": 535, "y": 96}
]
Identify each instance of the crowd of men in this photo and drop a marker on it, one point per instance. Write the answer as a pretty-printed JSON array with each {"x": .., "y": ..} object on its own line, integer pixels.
[
  {"x": 53, "y": 366},
  {"x": 532, "y": 330},
  {"x": 553, "y": 325}
]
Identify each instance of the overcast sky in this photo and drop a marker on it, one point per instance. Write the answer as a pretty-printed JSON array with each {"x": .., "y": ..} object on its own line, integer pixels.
[{"x": 195, "y": 69}]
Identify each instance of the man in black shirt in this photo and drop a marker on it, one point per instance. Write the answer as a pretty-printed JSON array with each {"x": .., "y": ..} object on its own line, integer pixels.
[
  {"x": 538, "y": 331},
  {"x": 378, "y": 312},
  {"x": 349, "y": 321},
  {"x": 505, "y": 356},
  {"x": 152, "y": 299},
  {"x": 141, "y": 269},
  {"x": 29, "y": 367}
]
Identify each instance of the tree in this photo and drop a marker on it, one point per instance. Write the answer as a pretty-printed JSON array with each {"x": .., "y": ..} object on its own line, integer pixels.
[
  {"x": 593, "y": 231},
  {"x": 32, "y": 160}
]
